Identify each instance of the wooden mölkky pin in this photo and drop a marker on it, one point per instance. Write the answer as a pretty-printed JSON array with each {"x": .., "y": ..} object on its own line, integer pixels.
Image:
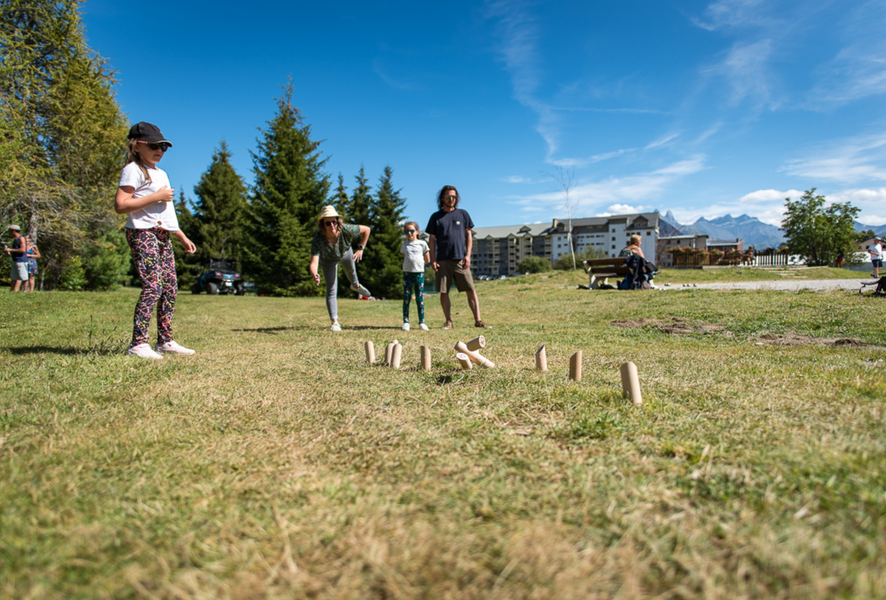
[
  {"x": 370, "y": 352},
  {"x": 541, "y": 359},
  {"x": 478, "y": 343},
  {"x": 396, "y": 355},
  {"x": 474, "y": 356},
  {"x": 630, "y": 383},
  {"x": 425, "y": 358},
  {"x": 465, "y": 361},
  {"x": 575, "y": 366}
]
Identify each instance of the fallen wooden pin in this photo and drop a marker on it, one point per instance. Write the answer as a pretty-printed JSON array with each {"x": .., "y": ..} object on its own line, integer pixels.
[
  {"x": 630, "y": 383},
  {"x": 474, "y": 356},
  {"x": 465, "y": 361},
  {"x": 478, "y": 343}
]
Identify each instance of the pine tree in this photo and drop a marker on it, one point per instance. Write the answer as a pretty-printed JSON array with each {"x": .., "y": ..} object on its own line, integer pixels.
[
  {"x": 383, "y": 266},
  {"x": 340, "y": 199},
  {"x": 61, "y": 135},
  {"x": 220, "y": 211},
  {"x": 361, "y": 201},
  {"x": 290, "y": 190}
]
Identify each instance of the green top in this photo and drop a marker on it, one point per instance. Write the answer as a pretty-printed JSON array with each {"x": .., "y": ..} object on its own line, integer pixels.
[{"x": 334, "y": 250}]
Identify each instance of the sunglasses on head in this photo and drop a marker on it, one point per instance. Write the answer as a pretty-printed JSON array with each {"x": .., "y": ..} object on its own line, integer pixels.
[
  {"x": 164, "y": 146},
  {"x": 409, "y": 231},
  {"x": 330, "y": 223}
]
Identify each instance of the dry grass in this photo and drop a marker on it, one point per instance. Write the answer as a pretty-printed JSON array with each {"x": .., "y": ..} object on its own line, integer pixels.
[{"x": 278, "y": 464}]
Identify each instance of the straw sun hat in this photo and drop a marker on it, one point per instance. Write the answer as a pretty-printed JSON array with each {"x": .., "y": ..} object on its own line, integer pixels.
[{"x": 328, "y": 212}]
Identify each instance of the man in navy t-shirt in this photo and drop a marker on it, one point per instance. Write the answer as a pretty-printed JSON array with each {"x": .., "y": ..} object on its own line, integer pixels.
[{"x": 449, "y": 230}]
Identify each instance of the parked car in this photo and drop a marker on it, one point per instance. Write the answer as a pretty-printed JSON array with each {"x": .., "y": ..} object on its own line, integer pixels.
[{"x": 219, "y": 277}]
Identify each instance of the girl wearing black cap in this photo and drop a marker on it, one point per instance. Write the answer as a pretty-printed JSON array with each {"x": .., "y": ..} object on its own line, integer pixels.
[{"x": 144, "y": 194}]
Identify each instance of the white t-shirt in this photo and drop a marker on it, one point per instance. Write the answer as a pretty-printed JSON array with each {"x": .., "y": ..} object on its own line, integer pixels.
[
  {"x": 414, "y": 256},
  {"x": 876, "y": 251},
  {"x": 159, "y": 214}
]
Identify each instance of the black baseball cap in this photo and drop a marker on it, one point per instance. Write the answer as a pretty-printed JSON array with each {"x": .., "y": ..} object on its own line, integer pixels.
[{"x": 147, "y": 132}]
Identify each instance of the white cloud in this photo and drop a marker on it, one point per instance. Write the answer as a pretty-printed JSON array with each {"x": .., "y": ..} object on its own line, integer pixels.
[
  {"x": 848, "y": 161},
  {"x": 624, "y": 209}
]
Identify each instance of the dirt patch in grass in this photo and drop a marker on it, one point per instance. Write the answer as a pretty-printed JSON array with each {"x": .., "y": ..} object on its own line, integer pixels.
[
  {"x": 674, "y": 326},
  {"x": 797, "y": 339}
]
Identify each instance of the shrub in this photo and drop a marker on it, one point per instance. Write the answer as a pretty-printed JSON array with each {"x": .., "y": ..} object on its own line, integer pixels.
[{"x": 534, "y": 264}]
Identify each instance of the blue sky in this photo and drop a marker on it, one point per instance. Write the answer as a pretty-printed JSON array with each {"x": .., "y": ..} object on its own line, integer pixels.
[{"x": 702, "y": 108}]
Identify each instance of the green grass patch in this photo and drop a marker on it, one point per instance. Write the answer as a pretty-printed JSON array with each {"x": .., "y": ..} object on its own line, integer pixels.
[{"x": 277, "y": 463}]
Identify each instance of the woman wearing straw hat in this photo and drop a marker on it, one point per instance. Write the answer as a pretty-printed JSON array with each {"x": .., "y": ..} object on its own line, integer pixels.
[{"x": 332, "y": 245}]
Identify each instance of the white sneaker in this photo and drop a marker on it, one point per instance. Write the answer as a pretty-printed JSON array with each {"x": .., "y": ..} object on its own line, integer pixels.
[
  {"x": 356, "y": 287},
  {"x": 405, "y": 327},
  {"x": 335, "y": 326},
  {"x": 143, "y": 351},
  {"x": 172, "y": 347},
  {"x": 423, "y": 327}
]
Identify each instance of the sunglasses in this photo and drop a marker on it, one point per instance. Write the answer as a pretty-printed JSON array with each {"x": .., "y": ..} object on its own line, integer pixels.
[
  {"x": 159, "y": 146},
  {"x": 330, "y": 223},
  {"x": 409, "y": 231}
]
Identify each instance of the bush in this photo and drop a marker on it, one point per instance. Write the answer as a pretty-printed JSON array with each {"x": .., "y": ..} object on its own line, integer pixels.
[
  {"x": 73, "y": 276},
  {"x": 534, "y": 264}
]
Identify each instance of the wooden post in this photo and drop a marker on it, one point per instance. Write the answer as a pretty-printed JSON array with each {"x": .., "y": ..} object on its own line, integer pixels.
[
  {"x": 396, "y": 355},
  {"x": 575, "y": 366},
  {"x": 370, "y": 352},
  {"x": 477, "y": 343},
  {"x": 541, "y": 360},
  {"x": 630, "y": 383},
  {"x": 464, "y": 361},
  {"x": 474, "y": 356},
  {"x": 425, "y": 358}
]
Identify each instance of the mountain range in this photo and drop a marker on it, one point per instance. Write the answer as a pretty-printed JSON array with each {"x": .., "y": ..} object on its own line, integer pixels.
[{"x": 751, "y": 230}]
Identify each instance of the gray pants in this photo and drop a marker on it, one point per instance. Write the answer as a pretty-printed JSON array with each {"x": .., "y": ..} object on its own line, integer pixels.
[{"x": 330, "y": 275}]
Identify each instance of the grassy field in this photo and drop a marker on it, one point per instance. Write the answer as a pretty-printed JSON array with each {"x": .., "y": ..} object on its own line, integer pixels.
[{"x": 277, "y": 463}]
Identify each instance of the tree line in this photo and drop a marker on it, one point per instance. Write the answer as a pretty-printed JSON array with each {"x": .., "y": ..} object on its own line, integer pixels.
[{"x": 62, "y": 136}]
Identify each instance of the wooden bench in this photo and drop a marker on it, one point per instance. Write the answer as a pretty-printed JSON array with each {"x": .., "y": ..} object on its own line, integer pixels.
[{"x": 600, "y": 269}]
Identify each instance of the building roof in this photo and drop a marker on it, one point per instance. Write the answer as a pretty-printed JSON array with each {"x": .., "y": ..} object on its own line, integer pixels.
[{"x": 531, "y": 229}]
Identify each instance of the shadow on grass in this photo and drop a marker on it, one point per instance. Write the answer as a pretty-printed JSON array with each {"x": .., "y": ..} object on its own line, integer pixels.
[
  {"x": 272, "y": 330},
  {"x": 24, "y": 350}
]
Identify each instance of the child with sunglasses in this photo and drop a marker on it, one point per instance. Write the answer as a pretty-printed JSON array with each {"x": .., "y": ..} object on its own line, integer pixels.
[
  {"x": 144, "y": 194},
  {"x": 416, "y": 254}
]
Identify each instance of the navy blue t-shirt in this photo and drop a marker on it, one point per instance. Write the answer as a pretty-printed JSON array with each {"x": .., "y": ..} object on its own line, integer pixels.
[
  {"x": 16, "y": 256},
  {"x": 449, "y": 230}
]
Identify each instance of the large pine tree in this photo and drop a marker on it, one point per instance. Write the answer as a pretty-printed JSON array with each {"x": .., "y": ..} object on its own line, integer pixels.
[
  {"x": 290, "y": 189},
  {"x": 383, "y": 266},
  {"x": 219, "y": 213},
  {"x": 62, "y": 138}
]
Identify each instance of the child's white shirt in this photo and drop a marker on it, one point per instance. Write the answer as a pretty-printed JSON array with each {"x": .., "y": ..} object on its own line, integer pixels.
[
  {"x": 414, "y": 256},
  {"x": 159, "y": 214}
]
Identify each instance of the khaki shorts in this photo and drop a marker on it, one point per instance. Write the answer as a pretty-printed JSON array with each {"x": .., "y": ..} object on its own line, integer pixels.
[
  {"x": 19, "y": 271},
  {"x": 450, "y": 271}
]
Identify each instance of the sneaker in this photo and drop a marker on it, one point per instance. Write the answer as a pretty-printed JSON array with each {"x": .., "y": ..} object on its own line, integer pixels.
[
  {"x": 335, "y": 326},
  {"x": 447, "y": 325},
  {"x": 172, "y": 347},
  {"x": 405, "y": 327},
  {"x": 481, "y": 324},
  {"x": 144, "y": 351},
  {"x": 356, "y": 287},
  {"x": 423, "y": 327}
]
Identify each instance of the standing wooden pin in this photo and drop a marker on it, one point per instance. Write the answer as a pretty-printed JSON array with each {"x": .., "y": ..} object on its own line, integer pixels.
[
  {"x": 425, "y": 358},
  {"x": 396, "y": 354},
  {"x": 541, "y": 360},
  {"x": 575, "y": 366},
  {"x": 630, "y": 383},
  {"x": 370, "y": 352}
]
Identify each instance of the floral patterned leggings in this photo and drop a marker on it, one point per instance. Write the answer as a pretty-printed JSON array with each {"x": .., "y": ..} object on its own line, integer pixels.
[
  {"x": 414, "y": 281},
  {"x": 155, "y": 263}
]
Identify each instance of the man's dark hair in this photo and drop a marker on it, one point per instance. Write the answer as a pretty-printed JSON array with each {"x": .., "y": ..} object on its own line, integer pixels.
[{"x": 446, "y": 189}]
